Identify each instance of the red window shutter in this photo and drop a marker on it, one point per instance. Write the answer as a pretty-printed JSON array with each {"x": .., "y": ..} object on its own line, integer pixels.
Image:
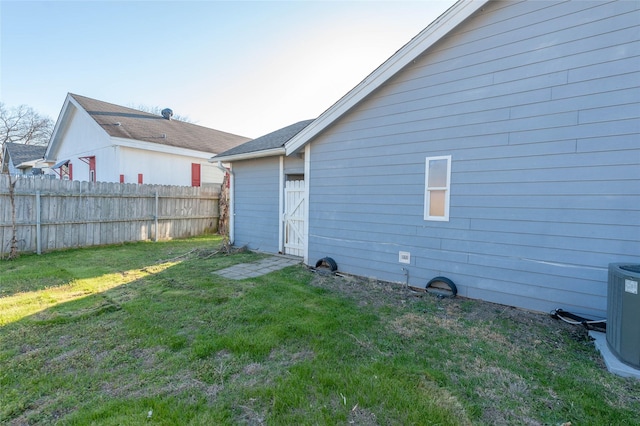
[
  {"x": 92, "y": 168},
  {"x": 70, "y": 171},
  {"x": 195, "y": 174},
  {"x": 121, "y": 178},
  {"x": 140, "y": 178}
]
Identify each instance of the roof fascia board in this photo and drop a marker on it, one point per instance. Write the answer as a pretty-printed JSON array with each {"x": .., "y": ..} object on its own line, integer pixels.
[
  {"x": 88, "y": 116},
  {"x": 250, "y": 155},
  {"x": 449, "y": 20},
  {"x": 166, "y": 149},
  {"x": 27, "y": 164},
  {"x": 60, "y": 127},
  {"x": 69, "y": 109}
]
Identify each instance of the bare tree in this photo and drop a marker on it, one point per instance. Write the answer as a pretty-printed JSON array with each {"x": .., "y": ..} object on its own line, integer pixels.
[
  {"x": 23, "y": 124},
  {"x": 13, "y": 249}
]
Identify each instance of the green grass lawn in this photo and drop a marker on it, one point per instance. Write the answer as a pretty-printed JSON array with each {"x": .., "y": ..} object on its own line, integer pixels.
[{"x": 148, "y": 334}]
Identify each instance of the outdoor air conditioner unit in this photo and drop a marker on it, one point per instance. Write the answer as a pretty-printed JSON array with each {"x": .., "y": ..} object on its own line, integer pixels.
[{"x": 623, "y": 313}]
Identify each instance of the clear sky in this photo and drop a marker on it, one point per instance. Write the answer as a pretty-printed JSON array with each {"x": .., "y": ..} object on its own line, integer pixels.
[{"x": 245, "y": 67}]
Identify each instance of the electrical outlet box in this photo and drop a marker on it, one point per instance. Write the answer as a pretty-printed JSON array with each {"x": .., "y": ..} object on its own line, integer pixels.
[{"x": 404, "y": 257}]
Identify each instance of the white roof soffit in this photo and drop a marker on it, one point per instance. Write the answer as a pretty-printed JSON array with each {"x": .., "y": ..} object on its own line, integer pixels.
[
  {"x": 27, "y": 164},
  {"x": 156, "y": 147},
  {"x": 446, "y": 22},
  {"x": 248, "y": 155}
]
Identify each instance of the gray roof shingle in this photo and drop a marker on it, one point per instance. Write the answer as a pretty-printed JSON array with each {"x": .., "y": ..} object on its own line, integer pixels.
[
  {"x": 128, "y": 123},
  {"x": 20, "y": 152},
  {"x": 272, "y": 140}
]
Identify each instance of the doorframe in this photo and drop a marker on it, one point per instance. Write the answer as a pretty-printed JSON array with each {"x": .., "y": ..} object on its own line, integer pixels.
[
  {"x": 307, "y": 179},
  {"x": 281, "y": 211}
]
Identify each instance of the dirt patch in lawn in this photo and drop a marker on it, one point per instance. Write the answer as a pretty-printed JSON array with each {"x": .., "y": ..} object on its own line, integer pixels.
[
  {"x": 503, "y": 394},
  {"x": 511, "y": 327}
]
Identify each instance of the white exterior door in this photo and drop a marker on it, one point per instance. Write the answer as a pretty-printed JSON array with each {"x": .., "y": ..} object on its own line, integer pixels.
[{"x": 294, "y": 218}]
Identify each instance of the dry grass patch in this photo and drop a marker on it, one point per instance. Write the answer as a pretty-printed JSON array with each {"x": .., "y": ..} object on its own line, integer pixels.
[{"x": 410, "y": 325}]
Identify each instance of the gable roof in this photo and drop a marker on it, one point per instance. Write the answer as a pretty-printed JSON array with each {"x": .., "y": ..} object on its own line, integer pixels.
[
  {"x": 128, "y": 123},
  {"x": 439, "y": 28},
  {"x": 21, "y": 153},
  {"x": 264, "y": 146}
]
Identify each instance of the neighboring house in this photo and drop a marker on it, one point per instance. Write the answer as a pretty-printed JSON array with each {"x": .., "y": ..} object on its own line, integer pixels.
[
  {"x": 98, "y": 141},
  {"x": 500, "y": 148},
  {"x": 21, "y": 159}
]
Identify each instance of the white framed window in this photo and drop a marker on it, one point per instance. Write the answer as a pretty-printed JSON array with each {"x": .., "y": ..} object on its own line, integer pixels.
[{"x": 437, "y": 188}]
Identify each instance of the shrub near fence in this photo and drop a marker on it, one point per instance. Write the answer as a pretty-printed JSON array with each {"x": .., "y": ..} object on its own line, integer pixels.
[{"x": 56, "y": 214}]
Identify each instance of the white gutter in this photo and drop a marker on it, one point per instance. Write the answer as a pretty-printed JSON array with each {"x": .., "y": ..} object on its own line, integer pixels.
[
  {"x": 249, "y": 155},
  {"x": 156, "y": 147},
  {"x": 232, "y": 211},
  {"x": 27, "y": 164}
]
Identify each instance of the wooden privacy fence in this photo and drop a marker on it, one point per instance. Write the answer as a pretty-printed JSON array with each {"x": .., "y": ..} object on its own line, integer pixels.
[{"x": 56, "y": 214}]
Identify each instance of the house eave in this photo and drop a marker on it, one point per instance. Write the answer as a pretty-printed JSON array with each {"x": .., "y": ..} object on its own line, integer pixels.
[
  {"x": 66, "y": 113},
  {"x": 249, "y": 155},
  {"x": 167, "y": 149},
  {"x": 449, "y": 20},
  {"x": 28, "y": 164}
]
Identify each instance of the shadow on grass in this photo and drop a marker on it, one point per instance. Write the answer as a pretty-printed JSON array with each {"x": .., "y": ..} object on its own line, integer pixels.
[
  {"x": 104, "y": 336},
  {"x": 31, "y": 272},
  {"x": 35, "y": 283},
  {"x": 184, "y": 345}
]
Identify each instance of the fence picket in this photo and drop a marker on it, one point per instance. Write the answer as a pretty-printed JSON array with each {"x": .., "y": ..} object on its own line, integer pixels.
[{"x": 77, "y": 214}]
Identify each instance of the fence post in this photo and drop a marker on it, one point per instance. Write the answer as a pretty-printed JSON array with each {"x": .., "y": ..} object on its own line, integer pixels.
[
  {"x": 155, "y": 216},
  {"x": 38, "y": 228},
  {"x": 69, "y": 215}
]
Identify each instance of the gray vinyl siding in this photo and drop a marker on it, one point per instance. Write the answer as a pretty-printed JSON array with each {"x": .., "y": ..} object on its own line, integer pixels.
[
  {"x": 13, "y": 170},
  {"x": 293, "y": 166},
  {"x": 538, "y": 105},
  {"x": 256, "y": 204}
]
